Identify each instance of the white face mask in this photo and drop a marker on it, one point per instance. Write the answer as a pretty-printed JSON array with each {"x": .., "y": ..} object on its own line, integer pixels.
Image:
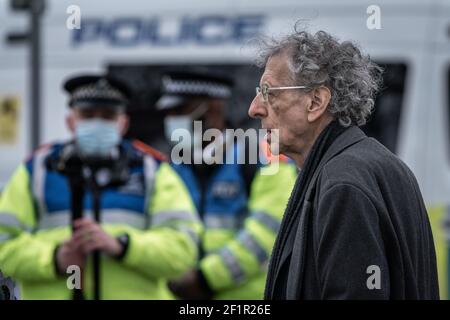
[
  {"x": 172, "y": 123},
  {"x": 97, "y": 137}
]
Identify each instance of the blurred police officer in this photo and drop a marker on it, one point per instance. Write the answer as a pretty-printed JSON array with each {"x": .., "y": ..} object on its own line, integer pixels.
[
  {"x": 148, "y": 226},
  {"x": 240, "y": 207}
]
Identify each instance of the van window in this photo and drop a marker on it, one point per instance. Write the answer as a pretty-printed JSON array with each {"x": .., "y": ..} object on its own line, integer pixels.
[{"x": 384, "y": 122}]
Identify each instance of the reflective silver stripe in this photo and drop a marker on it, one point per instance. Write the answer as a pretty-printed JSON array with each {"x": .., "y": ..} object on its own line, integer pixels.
[
  {"x": 150, "y": 173},
  {"x": 10, "y": 220},
  {"x": 165, "y": 217},
  {"x": 130, "y": 218},
  {"x": 217, "y": 221},
  {"x": 232, "y": 263},
  {"x": 54, "y": 220},
  {"x": 267, "y": 220},
  {"x": 191, "y": 233},
  {"x": 252, "y": 245},
  {"x": 113, "y": 216},
  {"x": 39, "y": 173},
  {"x": 5, "y": 237}
]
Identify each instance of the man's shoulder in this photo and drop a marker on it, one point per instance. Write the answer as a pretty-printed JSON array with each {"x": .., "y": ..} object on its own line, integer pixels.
[
  {"x": 362, "y": 165},
  {"x": 144, "y": 150},
  {"x": 47, "y": 149},
  {"x": 362, "y": 154}
]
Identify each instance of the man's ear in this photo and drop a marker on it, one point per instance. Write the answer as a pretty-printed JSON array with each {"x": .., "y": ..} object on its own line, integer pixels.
[
  {"x": 70, "y": 122},
  {"x": 321, "y": 97},
  {"x": 124, "y": 123}
]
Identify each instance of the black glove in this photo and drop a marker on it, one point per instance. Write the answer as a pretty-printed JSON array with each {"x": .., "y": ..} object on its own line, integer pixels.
[{"x": 192, "y": 286}]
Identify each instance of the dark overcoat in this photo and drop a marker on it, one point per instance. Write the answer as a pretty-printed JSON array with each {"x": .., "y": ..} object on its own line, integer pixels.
[{"x": 362, "y": 233}]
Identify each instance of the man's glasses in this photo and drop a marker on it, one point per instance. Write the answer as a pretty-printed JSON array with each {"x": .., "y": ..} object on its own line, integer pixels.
[{"x": 265, "y": 89}]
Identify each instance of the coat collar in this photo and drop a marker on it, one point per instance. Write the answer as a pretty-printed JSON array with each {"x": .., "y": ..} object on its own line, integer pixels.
[
  {"x": 342, "y": 142},
  {"x": 349, "y": 137}
]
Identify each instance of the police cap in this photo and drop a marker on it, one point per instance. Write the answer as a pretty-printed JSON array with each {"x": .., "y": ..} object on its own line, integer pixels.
[
  {"x": 92, "y": 91},
  {"x": 179, "y": 87}
]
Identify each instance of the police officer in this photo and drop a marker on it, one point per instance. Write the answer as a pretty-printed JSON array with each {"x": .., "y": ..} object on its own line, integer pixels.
[
  {"x": 241, "y": 208},
  {"x": 148, "y": 227}
]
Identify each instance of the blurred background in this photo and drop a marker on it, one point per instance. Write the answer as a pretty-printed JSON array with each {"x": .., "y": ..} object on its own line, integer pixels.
[{"x": 137, "y": 40}]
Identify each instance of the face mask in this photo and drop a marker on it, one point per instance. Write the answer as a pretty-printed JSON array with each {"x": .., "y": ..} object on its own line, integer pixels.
[
  {"x": 96, "y": 137},
  {"x": 172, "y": 123}
]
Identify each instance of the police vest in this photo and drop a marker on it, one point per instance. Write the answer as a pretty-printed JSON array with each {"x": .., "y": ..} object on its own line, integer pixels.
[{"x": 125, "y": 204}]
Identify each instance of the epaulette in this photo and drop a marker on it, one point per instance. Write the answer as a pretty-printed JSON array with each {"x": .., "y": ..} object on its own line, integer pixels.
[
  {"x": 146, "y": 149},
  {"x": 265, "y": 150}
]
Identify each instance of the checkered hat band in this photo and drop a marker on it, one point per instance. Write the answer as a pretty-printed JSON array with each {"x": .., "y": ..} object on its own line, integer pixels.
[
  {"x": 93, "y": 91},
  {"x": 211, "y": 89}
]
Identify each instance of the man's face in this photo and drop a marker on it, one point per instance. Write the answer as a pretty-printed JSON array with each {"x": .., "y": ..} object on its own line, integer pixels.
[
  {"x": 99, "y": 113},
  {"x": 104, "y": 113},
  {"x": 285, "y": 110}
]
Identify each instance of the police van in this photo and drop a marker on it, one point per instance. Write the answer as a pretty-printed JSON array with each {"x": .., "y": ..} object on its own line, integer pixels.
[{"x": 138, "y": 40}]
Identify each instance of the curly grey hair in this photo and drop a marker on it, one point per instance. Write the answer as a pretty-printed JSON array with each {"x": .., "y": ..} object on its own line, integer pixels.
[{"x": 320, "y": 59}]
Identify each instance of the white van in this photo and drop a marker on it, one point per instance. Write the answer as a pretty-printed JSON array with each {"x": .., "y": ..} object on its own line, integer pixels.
[{"x": 138, "y": 40}]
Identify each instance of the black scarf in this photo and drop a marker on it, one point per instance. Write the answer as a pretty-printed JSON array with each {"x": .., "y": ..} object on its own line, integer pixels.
[{"x": 297, "y": 198}]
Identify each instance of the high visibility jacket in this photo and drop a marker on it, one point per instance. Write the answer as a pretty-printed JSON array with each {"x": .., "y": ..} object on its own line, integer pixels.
[
  {"x": 240, "y": 226},
  {"x": 439, "y": 216},
  {"x": 153, "y": 208}
]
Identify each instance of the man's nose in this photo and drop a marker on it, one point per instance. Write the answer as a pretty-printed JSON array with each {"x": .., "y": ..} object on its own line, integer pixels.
[{"x": 257, "y": 108}]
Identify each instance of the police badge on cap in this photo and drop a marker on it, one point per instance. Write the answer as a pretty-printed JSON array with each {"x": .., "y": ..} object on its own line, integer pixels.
[
  {"x": 91, "y": 91},
  {"x": 179, "y": 87}
]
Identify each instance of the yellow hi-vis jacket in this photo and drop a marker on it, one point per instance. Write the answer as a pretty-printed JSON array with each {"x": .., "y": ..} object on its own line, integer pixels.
[
  {"x": 236, "y": 266},
  {"x": 240, "y": 224},
  {"x": 153, "y": 209}
]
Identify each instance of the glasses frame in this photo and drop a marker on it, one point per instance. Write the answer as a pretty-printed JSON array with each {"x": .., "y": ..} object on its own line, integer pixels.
[{"x": 265, "y": 89}]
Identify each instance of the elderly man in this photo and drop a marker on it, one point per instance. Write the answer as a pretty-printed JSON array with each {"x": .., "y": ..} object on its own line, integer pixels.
[{"x": 356, "y": 226}]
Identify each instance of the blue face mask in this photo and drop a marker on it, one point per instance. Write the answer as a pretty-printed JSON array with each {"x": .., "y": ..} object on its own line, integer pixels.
[
  {"x": 173, "y": 123},
  {"x": 96, "y": 137}
]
